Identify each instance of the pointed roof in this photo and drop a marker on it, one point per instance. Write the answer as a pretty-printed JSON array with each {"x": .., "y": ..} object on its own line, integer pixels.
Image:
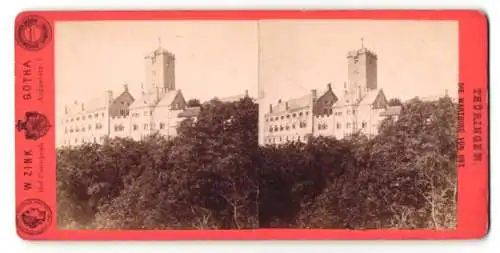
[
  {"x": 368, "y": 99},
  {"x": 145, "y": 99},
  {"x": 293, "y": 104},
  {"x": 343, "y": 101},
  {"x": 169, "y": 97},
  {"x": 156, "y": 99},
  {"x": 91, "y": 104},
  {"x": 371, "y": 96},
  {"x": 329, "y": 90},
  {"x": 95, "y": 104},
  {"x": 125, "y": 92}
]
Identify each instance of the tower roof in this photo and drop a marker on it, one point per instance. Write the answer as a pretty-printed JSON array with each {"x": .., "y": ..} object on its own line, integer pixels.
[
  {"x": 361, "y": 50},
  {"x": 159, "y": 51}
]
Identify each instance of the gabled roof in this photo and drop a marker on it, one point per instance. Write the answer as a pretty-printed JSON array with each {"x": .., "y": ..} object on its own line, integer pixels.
[
  {"x": 145, "y": 99},
  {"x": 343, "y": 101},
  {"x": 95, "y": 103},
  {"x": 293, "y": 104},
  {"x": 370, "y": 97},
  {"x": 123, "y": 94},
  {"x": 89, "y": 105},
  {"x": 156, "y": 99},
  {"x": 168, "y": 98}
]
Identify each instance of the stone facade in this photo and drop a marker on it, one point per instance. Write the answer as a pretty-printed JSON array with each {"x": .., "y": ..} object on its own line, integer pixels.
[
  {"x": 158, "y": 109},
  {"x": 360, "y": 109}
]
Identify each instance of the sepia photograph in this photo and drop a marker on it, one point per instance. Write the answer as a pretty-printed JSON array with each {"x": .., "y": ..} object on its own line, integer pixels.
[{"x": 308, "y": 124}]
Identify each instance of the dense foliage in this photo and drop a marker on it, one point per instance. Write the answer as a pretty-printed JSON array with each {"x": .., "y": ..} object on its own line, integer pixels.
[{"x": 215, "y": 176}]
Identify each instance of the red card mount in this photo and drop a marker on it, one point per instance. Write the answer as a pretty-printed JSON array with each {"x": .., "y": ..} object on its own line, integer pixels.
[{"x": 38, "y": 213}]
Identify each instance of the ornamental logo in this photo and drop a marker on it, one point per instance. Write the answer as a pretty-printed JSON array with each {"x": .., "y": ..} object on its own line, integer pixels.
[
  {"x": 33, "y": 33},
  {"x": 35, "y": 125},
  {"x": 33, "y": 217}
]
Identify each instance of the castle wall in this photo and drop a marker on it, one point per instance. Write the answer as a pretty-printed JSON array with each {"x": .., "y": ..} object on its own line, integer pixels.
[
  {"x": 286, "y": 126},
  {"x": 141, "y": 119},
  {"x": 119, "y": 127},
  {"x": 86, "y": 127},
  {"x": 166, "y": 121}
]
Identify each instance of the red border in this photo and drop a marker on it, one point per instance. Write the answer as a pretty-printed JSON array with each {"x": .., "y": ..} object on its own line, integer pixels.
[{"x": 472, "y": 179}]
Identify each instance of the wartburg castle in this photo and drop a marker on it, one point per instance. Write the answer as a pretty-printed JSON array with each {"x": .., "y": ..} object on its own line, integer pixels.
[
  {"x": 359, "y": 109},
  {"x": 161, "y": 107}
]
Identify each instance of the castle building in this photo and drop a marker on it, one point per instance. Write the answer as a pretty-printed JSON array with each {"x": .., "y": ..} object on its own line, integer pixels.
[
  {"x": 359, "y": 109},
  {"x": 158, "y": 109}
]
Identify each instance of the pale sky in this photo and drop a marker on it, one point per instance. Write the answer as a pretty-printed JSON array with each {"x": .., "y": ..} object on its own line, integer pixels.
[
  {"x": 415, "y": 58},
  {"x": 221, "y": 58}
]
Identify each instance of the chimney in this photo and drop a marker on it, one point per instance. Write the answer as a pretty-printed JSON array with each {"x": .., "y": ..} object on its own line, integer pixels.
[
  {"x": 125, "y": 87},
  {"x": 83, "y": 107},
  {"x": 270, "y": 108},
  {"x": 286, "y": 105},
  {"x": 329, "y": 85},
  {"x": 109, "y": 96},
  {"x": 314, "y": 94},
  {"x": 246, "y": 93}
]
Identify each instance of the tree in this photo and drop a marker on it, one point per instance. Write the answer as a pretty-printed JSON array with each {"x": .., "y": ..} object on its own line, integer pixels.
[
  {"x": 223, "y": 143},
  {"x": 394, "y": 102},
  {"x": 205, "y": 178},
  {"x": 193, "y": 103},
  {"x": 403, "y": 178},
  {"x": 214, "y": 175}
]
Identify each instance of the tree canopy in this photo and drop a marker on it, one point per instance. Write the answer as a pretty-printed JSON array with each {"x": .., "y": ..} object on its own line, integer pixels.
[{"x": 214, "y": 175}]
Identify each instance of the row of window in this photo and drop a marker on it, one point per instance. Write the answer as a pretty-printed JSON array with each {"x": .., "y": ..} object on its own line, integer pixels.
[
  {"x": 150, "y": 113},
  {"x": 89, "y": 116},
  {"x": 283, "y": 139},
  {"x": 293, "y": 115},
  {"x": 83, "y": 140},
  {"x": 117, "y": 128},
  {"x": 354, "y": 125},
  {"x": 302, "y": 124},
  {"x": 146, "y": 113},
  {"x": 82, "y": 129},
  {"x": 326, "y": 111},
  {"x": 348, "y": 112},
  {"x": 322, "y": 126},
  {"x": 135, "y": 127},
  {"x": 124, "y": 111}
]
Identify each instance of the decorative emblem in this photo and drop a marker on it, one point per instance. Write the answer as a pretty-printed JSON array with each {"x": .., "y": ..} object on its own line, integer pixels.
[
  {"x": 33, "y": 217},
  {"x": 35, "y": 125},
  {"x": 33, "y": 33}
]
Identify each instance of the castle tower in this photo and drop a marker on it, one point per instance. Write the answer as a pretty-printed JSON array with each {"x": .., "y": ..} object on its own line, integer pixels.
[
  {"x": 160, "y": 71},
  {"x": 362, "y": 72}
]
